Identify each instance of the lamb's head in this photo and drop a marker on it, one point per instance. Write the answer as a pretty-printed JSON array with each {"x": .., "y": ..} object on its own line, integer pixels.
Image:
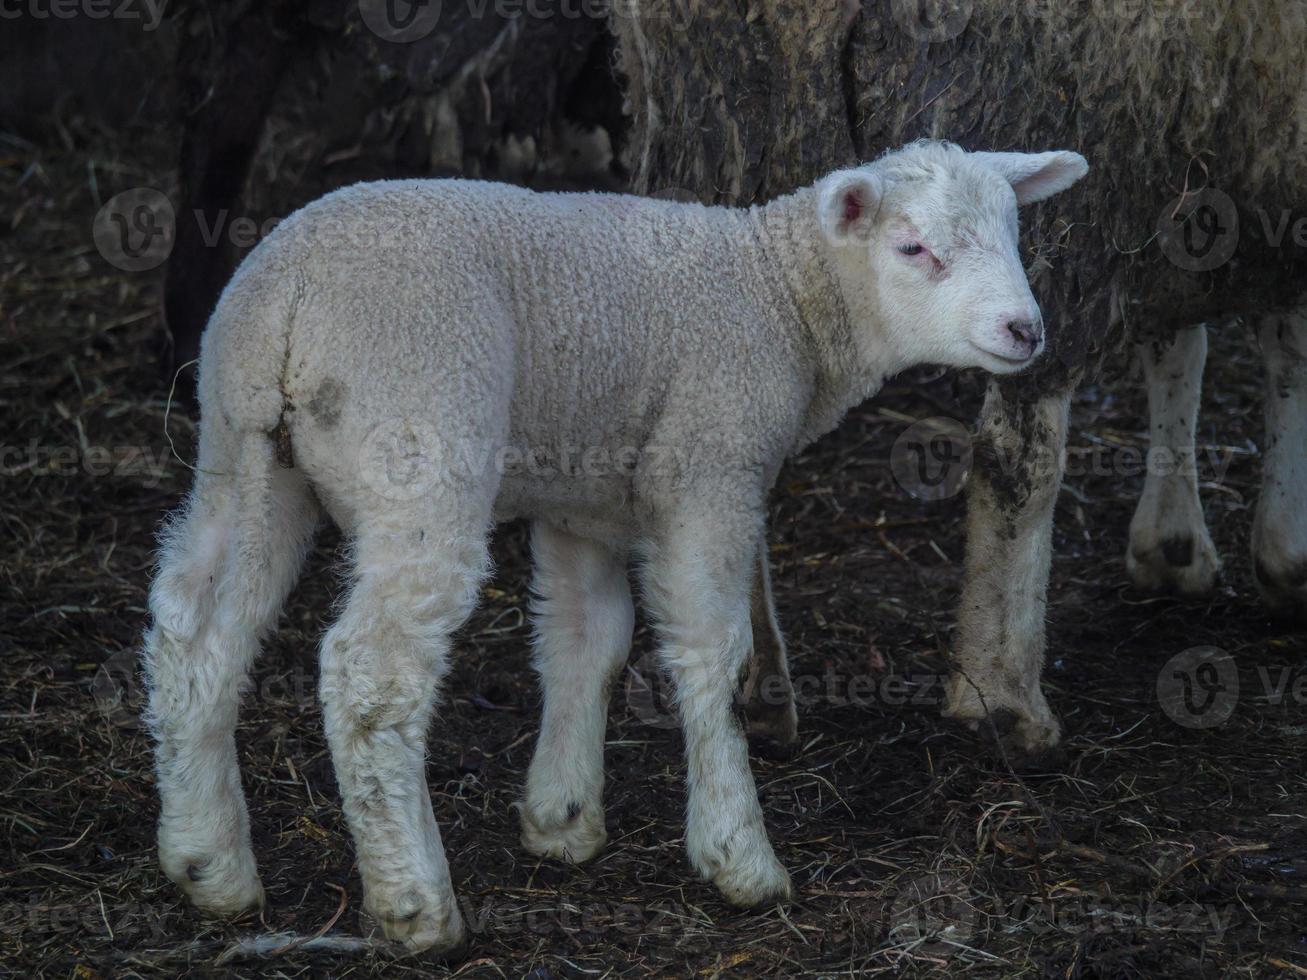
[{"x": 924, "y": 243}]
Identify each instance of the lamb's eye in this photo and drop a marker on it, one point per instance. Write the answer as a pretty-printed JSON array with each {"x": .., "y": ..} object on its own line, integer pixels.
[{"x": 914, "y": 248}]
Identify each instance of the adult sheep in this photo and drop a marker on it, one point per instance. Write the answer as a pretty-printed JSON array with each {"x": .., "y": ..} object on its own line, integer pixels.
[
  {"x": 1193, "y": 114},
  {"x": 386, "y": 350}
]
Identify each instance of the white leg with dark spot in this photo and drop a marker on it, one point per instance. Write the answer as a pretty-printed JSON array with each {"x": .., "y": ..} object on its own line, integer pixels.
[
  {"x": 1170, "y": 548},
  {"x": 584, "y": 618},
  {"x": 1279, "y": 540}
]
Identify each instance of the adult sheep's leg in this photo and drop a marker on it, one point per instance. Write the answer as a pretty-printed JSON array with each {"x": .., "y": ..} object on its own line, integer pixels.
[
  {"x": 769, "y": 695},
  {"x": 1013, "y": 487},
  {"x": 1170, "y": 549},
  {"x": 583, "y": 618},
  {"x": 225, "y": 568},
  {"x": 418, "y": 572},
  {"x": 225, "y": 95},
  {"x": 1279, "y": 541},
  {"x": 697, "y": 578}
]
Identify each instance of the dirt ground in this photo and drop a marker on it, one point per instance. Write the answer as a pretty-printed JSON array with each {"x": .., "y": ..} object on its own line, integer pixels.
[{"x": 1151, "y": 848}]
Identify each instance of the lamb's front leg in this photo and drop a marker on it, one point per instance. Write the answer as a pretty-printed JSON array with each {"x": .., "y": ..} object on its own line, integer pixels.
[
  {"x": 698, "y": 578},
  {"x": 583, "y": 617},
  {"x": 1010, "y": 498}
]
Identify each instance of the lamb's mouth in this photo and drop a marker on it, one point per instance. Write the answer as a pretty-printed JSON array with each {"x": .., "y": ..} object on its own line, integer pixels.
[{"x": 1012, "y": 362}]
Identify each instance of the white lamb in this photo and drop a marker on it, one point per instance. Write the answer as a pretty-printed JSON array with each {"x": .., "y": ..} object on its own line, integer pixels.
[{"x": 425, "y": 358}]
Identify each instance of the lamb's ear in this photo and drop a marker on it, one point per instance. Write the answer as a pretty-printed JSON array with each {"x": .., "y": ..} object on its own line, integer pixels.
[
  {"x": 1035, "y": 176},
  {"x": 846, "y": 205}
]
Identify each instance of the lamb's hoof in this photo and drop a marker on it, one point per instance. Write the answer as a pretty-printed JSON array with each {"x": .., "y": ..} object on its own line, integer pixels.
[
  {"x": 224, "y": 885},
  {"x": 575, "y": 835},
  {"x": 1184, "y": 564},
  {"x": 741, "y": 864},
  {"x": 754, "y": 882},
  {"x": 1284, "y": 590},
  {"x": 418, "y": 922}
]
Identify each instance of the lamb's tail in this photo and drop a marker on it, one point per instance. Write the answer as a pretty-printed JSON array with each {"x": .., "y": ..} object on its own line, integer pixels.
[{"x": 246, "y": 349}]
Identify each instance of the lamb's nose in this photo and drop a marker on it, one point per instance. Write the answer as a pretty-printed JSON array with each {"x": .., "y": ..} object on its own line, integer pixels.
[{"x": 1026, "y": 332}]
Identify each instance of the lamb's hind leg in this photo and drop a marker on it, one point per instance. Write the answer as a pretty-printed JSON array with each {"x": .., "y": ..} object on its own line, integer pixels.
[
  {"x": 225, "y": 568},
  {"x": 1279, "y": 542},
  {"x": 583, "y": 618},
  {"x": 1170, "y": 549},
  {"x": 418, "y": 569}
]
